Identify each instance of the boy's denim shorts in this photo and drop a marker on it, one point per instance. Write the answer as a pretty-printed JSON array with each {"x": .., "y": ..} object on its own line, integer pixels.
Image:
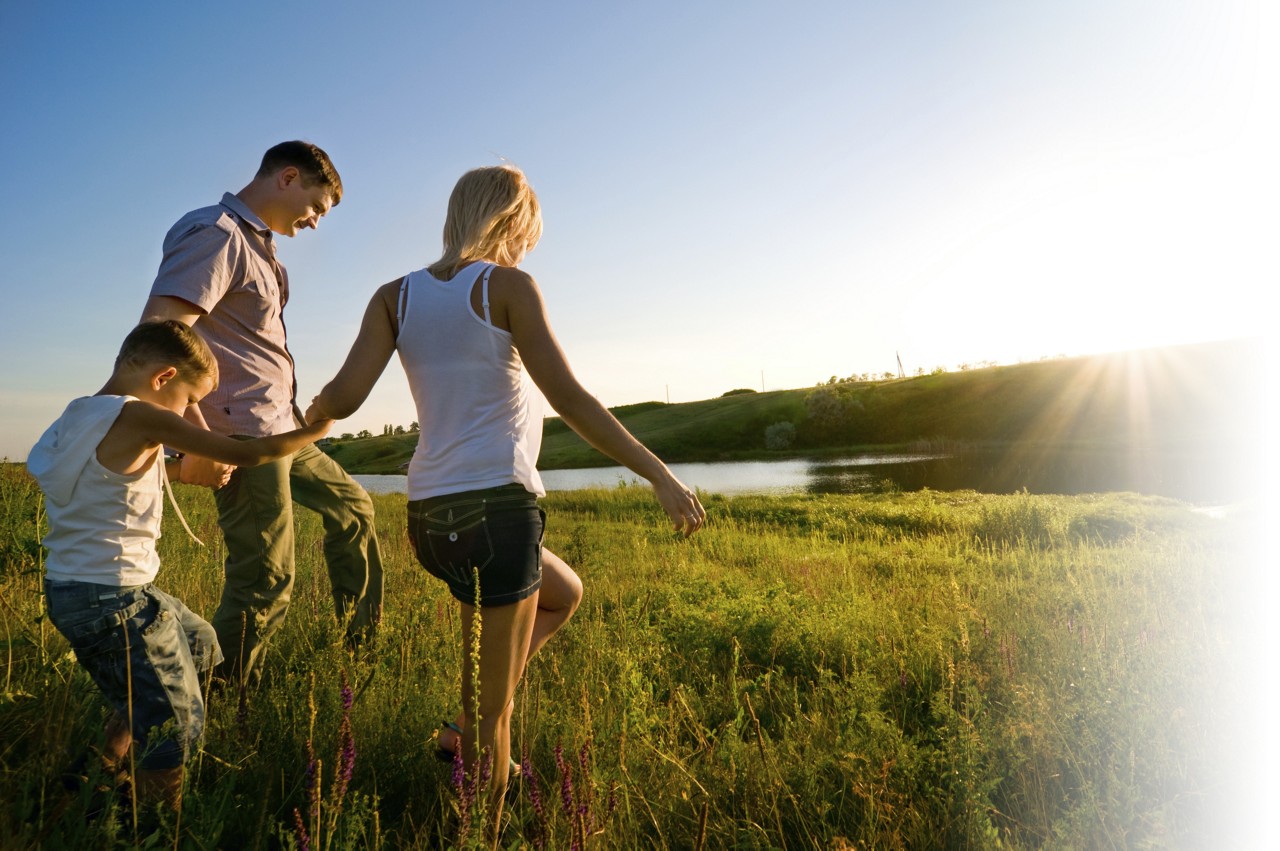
[
  {"x": 146, "y": 651},
  {"x": 495, "y": 531}
]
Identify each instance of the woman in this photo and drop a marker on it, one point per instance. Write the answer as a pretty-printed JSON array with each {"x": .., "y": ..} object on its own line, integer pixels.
[{"x": 467, "y": 327}]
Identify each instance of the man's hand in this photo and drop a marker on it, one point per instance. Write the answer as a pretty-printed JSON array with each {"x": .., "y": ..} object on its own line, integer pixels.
[
  {"x": 315, "y": 413},
  {"x": 204, "y": 472}
]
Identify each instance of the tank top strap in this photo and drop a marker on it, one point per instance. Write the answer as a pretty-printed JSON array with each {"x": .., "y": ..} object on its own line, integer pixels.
[
  {"x": 402, "y": 303},
  {"x": 484, "y": 294}
]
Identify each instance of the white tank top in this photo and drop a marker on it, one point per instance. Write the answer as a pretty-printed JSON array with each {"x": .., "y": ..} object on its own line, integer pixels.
[
  {"x": 479, "y": 415},
  {"x": 103, "y": 525}
]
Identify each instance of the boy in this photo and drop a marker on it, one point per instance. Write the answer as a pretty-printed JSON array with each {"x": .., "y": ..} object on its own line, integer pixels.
[{"x": 101, "y": 467}]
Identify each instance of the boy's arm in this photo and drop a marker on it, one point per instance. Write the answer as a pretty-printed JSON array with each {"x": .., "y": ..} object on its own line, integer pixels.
[
  {"x": 158, "y": 425},
  {"x": 368, "y": 357}
]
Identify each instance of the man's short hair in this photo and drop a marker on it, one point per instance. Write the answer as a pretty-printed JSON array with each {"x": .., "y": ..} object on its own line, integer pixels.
[{"x": 309, "y": 159}]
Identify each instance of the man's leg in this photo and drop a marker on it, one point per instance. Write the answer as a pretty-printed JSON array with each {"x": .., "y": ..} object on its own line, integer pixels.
[
  {"x": 350, "y": 543},
  {"x": 255, "y": 512}
]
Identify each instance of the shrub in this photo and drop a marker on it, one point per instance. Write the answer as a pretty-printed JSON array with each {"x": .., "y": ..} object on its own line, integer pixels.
[{"x": 780, "y": 436}]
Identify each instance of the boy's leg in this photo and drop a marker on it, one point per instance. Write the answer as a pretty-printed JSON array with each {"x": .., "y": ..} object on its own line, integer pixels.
[
  {"x": 134, "y": 644},
  {"x": 161, "y": 786},
  {"x": 255, "y": 511},
  {"x": 176, "y": 655},
  {"x": 118, "y": 737},
  {"x": 350, "y": 543}
]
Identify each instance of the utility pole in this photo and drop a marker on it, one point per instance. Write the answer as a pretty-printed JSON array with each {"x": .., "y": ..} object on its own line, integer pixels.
[
  {"x": 762, "y": 381},
  {"x": 901, "y": 374}
]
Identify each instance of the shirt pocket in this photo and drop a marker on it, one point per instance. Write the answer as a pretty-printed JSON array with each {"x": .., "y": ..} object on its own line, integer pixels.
[{"x": 260, "y": 305}]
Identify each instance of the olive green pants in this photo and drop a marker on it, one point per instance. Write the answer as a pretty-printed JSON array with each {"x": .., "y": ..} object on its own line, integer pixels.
[{"x": 255, "y": 511}]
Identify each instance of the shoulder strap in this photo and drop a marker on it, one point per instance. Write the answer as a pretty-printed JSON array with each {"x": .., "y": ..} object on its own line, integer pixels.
[
  {"x": 402, "y": 303},
  {"x": 484, "y": 294}
]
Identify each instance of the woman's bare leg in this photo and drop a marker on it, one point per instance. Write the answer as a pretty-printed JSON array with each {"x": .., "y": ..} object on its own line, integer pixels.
[
  {"x": 504, "y": 642},
  {"x": 557, "y": 599}
]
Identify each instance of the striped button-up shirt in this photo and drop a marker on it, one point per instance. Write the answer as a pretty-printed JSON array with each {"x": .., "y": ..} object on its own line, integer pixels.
[{"x": 222, "y": 260}]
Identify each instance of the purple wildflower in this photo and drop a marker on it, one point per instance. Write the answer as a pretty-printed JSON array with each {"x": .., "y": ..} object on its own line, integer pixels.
[
  {"x": 566, "y": 782},
  {"x": 348, "y": 697},
  {"x": 300, "y": 831},
  {"x": 535, "y": 795},
  {"x": 312, "y": 783},
  {"x": 613, "y": 801},
  {"x": 584, "y": 805},
  {"x": 346, "y": 759},
  {"x": 459, "y": 775}
]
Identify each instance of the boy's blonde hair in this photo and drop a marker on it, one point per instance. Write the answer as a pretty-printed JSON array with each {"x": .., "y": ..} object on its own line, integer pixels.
[
  {"x": 172, "y": 343},
  {"x": 493, "y": 216}
]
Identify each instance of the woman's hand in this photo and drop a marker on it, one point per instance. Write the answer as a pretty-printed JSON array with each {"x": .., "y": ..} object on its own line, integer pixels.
[{"x": 681, "y": 505}]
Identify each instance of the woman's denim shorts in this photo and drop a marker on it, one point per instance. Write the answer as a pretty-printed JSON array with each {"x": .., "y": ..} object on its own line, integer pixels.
[
  {"x": 495, "y": 533},
  {"x": 145, "y": 650}
]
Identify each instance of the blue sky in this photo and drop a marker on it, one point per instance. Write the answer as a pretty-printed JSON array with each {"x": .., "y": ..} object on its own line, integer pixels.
[{"x": 737, "y": 194}]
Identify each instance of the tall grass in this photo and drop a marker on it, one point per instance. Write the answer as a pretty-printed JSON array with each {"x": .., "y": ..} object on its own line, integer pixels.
[{"x": 890, "y": 671}]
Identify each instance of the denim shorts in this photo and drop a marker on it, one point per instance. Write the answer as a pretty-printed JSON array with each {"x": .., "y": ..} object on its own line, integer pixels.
[
  {"x": 145, "y": 650},
  {"x": 496, "y": 532}
]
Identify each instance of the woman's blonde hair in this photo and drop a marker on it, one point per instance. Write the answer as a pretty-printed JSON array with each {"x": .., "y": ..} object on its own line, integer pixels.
[{"x": 493, "y": 216}]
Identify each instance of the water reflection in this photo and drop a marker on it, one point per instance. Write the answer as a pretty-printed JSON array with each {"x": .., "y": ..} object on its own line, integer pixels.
[
  {"x": 1202, "y": 477},
  {"x": 1192, "y": 476}
]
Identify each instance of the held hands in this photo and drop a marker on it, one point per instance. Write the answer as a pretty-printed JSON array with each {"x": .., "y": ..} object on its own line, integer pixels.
[
  {"x": 194, "y": 470},
  {"x": 681, "y": 505},
  {"x": 316, "y": 413}
]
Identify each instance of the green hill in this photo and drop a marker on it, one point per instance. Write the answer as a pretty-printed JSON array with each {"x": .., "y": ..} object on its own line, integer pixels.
[{"x": 1183, "y": 397}]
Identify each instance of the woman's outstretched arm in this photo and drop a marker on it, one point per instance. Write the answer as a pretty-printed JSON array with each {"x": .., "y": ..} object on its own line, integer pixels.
[
  {"x": 519, "y": 303},
  {"x": 368, "y": 357}
]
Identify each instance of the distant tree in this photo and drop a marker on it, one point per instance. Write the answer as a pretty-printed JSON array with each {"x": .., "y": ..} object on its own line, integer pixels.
[
  {"x": 828, "y": 410},
  {"x": 939, "y": 370},
  {"x": 364, "y": 432},
  {"x": 780, "y": 435},
  {"x": 413, "y": 427},
  {"x": 399, "y": 430},
  {"x": 346, "y": 435},
  {"x": 740, "y": 391},
  {"x": 888, "y": 376}
]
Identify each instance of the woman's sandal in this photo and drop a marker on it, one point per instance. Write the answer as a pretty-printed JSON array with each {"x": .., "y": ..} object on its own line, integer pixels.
[{"x": 445, "y": 755}]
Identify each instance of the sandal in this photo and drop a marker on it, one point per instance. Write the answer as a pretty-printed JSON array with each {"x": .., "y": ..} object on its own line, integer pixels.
[{"x": 445, "y": 755}]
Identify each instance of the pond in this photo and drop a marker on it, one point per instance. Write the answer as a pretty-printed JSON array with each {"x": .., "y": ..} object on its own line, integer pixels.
[{"x": 1198, "y": 477}]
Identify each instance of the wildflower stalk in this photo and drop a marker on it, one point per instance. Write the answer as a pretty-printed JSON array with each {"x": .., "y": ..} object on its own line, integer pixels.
[{"x": 346, "y": 758}]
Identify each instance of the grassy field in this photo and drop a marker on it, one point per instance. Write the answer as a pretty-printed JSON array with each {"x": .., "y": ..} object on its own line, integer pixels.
[
  {"x": 925, "y": 670},
  {"x": 1200, "y": 399}
]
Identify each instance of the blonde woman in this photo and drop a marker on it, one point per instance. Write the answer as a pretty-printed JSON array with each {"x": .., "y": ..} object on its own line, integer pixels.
[{"x": 467, "y": 328}]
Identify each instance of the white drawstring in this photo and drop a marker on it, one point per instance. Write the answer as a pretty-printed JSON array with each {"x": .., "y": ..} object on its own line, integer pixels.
[{"x": 168, "y": 488}]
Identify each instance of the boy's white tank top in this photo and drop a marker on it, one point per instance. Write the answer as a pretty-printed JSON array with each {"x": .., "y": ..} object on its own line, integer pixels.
[{"x": 479, "y": 415}]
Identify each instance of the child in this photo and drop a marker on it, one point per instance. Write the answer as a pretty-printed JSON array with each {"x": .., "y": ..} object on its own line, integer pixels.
[{"x": 101, "y": 467}]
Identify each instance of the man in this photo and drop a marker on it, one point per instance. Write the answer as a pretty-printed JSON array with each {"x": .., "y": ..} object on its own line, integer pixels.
[{"x": 220, "y": 275}]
